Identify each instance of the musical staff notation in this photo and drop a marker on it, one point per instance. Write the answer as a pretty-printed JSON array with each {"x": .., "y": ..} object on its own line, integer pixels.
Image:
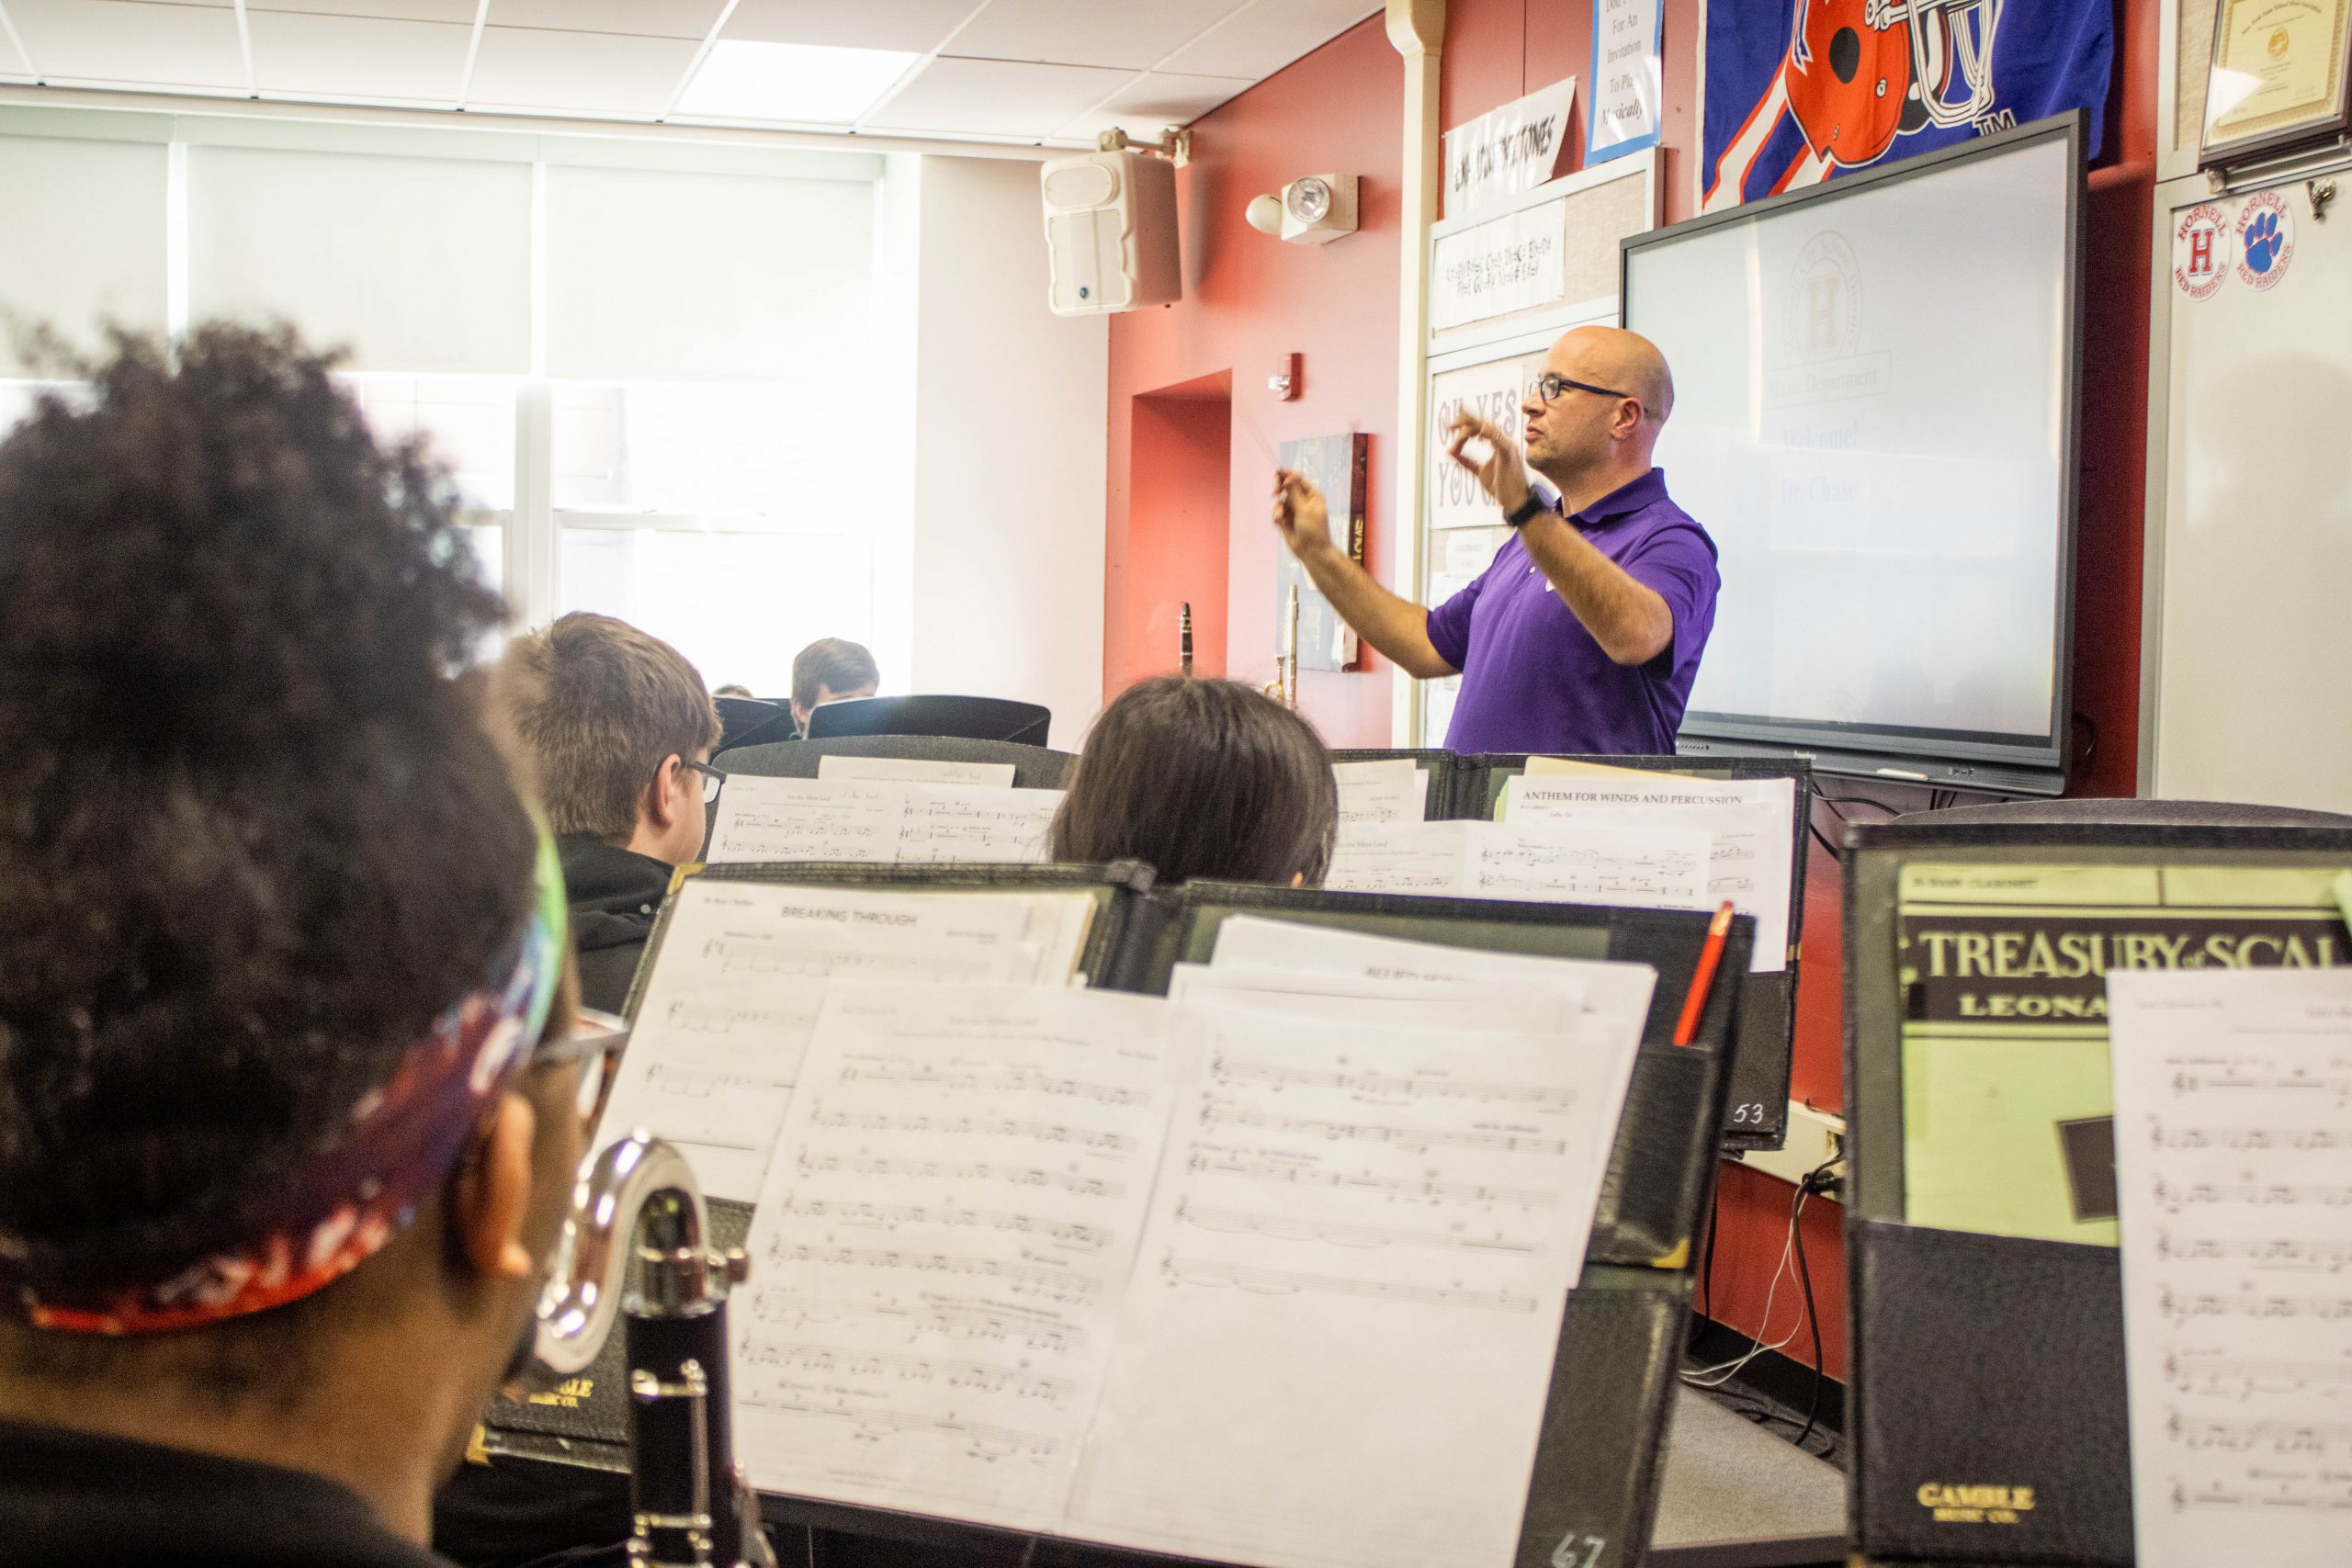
[
  {"x": 1207, "y": 1158},
  {"x": 808, "y": 1164},
  {"x": 976, "y": 1126},
  {"x": 991, "y": 1324},
  {"x": 1291, "y": 1227},
  {"x": 1409, "y": 1139},
  {"x": 980, "y": 1377},
  {"x": 1224, "y": 1070},
  {"x": 890, "y": 1217},
  {"x": 1178, "y": 1271}
]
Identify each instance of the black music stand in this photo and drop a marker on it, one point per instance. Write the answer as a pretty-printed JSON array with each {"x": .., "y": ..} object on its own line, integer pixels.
[
  {"x": 1033, "y": 767},
  {"x": 746, "y": 721},
  {"x": 1440, "y": 766},
  {"x": 1768, "y": 1020},
  {"x": 970, "y": 718},
  {"x": 1993, "y": 1358}
]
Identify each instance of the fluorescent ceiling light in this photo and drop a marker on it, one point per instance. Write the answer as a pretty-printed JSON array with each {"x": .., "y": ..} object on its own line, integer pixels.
[{"x": 799, "y": 82}]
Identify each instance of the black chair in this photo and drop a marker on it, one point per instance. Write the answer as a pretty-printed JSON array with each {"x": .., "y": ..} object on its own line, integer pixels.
[
  {"x": 969, "y": 718},
  {"x": 1033, "y": 767},
  {"x": 747, "y": 721}
]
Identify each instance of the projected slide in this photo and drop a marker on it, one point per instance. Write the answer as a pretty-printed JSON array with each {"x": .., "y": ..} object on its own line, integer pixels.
[{"x": 1871, "y": 421}]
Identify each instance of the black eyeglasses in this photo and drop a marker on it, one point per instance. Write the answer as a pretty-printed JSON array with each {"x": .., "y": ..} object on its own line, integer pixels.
[
  {"x": 1546, "y": 388},
  {"x": 712, "y": 779}
]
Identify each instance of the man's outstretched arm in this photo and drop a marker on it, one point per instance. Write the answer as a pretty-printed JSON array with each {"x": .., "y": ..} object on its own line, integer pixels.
[{"x": 1398, "y": 627}]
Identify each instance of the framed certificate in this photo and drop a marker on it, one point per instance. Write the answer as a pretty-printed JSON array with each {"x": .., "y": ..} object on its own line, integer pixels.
[{"x": 2279, "y": 78}]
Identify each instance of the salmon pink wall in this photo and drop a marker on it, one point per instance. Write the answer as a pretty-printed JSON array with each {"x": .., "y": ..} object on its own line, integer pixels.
[
  {"x": 1249, "y": 299},
  {"x": 1172, "y": 551}
]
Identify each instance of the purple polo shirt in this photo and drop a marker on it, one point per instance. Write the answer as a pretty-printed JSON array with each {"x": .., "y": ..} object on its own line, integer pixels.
[{"x": 1535, "y": 679}]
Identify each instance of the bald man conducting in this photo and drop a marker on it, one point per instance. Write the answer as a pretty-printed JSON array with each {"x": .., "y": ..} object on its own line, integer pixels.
[{"x": 1584, "y": 634}]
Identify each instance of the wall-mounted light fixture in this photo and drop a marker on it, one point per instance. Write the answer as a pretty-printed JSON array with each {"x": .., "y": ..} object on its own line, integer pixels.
[{"x": 1313, "y": 209}]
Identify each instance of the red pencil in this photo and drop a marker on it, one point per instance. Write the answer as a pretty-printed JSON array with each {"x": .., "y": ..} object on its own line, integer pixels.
[{"x": 1704, "y": 977}]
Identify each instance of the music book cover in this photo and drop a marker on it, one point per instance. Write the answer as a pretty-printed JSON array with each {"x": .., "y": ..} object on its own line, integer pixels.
[
  {"x": 2007, "y": 1096},
  {"x": 1341, "y": 466}
]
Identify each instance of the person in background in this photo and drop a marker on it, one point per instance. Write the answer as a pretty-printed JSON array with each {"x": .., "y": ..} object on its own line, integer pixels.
[
  {"x": 733, "y": 689},
  {"x": 830, "y": 670},
  {"x": 284, "y": 1145},
  {"x": 1202, "y": 778},
  {"x": 619, "y": 729}
]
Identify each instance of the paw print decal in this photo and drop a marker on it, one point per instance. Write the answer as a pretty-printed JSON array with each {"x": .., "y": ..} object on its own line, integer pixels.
[{"x": 2263, "y": 242}]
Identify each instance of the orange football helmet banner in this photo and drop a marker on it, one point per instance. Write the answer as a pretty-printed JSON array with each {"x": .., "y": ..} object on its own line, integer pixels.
[{"x": 1799, "y": 91}]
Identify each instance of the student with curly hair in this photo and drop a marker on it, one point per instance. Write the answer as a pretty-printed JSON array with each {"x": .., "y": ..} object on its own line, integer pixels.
[
  {"x": 282, "y": 1153},
  {"x": 1202, "y": 779}
]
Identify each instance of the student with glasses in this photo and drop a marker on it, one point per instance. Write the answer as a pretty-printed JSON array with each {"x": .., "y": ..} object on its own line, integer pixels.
[
  {"x": 289, "y": 1088},
  {"x": 1584, "y": 634},
  {"x": 619, "y": 729}
]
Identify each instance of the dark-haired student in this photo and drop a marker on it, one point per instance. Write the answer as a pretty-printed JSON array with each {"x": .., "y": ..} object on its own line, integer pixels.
[
  {"x": 283, "y": 1154},
  {"x": 619, "y": 731},
  {"x": 1202, "y": 779},
  {"x": 830, "y": 670}
]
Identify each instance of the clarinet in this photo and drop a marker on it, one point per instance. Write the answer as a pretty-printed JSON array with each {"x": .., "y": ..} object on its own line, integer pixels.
[{"x": 638, "y": 1201}]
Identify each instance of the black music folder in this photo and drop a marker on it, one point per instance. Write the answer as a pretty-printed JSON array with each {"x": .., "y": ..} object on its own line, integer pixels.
[
  {"x": 1760, "y": 1084},
  {"x": 1987, "y": 1418},
  {"x": 1598, "y": 1456}
]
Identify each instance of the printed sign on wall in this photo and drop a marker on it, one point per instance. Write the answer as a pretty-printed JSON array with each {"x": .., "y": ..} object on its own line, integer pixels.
[
  {"x": 1509, "y": 150},
  {"x": 1626, "y": 80},
  {"x": 1516, "y": 262}
]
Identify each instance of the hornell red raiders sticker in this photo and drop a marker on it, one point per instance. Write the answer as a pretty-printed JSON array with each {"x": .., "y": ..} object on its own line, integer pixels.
[
  {"x": 2198, "y": 242},
  {"x": 2266, "y": 238}
]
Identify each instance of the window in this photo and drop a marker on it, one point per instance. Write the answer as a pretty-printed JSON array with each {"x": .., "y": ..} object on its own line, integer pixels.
[
  {"x": 468, "y": 421},
  {"x": 641, "y": 361},
  {"x": 726, "y": 520}
]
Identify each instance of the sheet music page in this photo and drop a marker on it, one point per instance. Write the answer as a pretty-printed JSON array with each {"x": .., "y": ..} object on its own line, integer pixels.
[
  {"x": 1390, "y": 791},
  {"x": 943, "y": 1243},
  {"x": 1751, "y": 861},
  {"x": 880, "y": 823},
  {"x": 741, "y": 975},
  {"x": 803, "y": 819},
  {"x": 1338, "y": 1346},
  {"x": 911, "y": 769},
  {"x": 1410, "y": 856},
  {"x": 1651, "y": 868},
  {"x": 1570, "y": 768},
  {"x": 988, "y": 825},
  {"x": 1514, "y": 1006},
  {"x": 2234, "y": 1167}
]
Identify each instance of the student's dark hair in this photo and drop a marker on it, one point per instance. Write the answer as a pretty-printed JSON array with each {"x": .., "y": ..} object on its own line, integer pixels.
[
  {"x": 831, "y": 664},
  {"x": 255, "y": 835},
  {"x": 1202, "y": 779}
]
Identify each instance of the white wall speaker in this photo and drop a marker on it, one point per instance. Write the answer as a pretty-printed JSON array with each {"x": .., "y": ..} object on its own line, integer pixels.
[{"x": 1111, "y": 233}]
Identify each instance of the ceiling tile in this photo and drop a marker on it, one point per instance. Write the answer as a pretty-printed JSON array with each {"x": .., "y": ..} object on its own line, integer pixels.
[
  {"x": 1266, "y": 34},
  {"x": 921, "y": 25},
  {"x": 996, "y": 97},
  {"x": 1154, "y": 102},
  {"x": 131, "y": 43},
  {"x": 1077, "y": 32},
  {"x": 637, "y": 18},
  {"x": 387, "y": 10},
  {"x": 358, "y": 59},
  {"x": 596, "y": 74}
]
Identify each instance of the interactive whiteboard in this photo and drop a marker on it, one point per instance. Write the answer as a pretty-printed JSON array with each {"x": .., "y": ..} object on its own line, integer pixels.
[{"x": 1874, "y": 420}]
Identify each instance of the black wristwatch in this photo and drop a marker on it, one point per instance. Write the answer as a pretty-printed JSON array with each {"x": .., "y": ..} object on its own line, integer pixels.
[{"x": 1524, "y": 512}]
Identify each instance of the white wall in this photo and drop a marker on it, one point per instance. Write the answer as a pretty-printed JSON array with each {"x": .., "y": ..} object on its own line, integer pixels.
[{"x": 1009, "y": 460}]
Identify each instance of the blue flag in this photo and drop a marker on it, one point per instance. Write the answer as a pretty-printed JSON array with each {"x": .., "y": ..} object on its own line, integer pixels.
[{"x": 1802, "y": 90}]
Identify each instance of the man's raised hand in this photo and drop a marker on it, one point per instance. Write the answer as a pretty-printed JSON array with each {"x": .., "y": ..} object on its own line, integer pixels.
[
  {"x": 1300, "y": 515},
  {"x": 1500, "y": 472}
]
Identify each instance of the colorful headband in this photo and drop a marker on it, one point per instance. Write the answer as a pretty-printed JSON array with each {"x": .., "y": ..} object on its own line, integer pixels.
[{"x": 398, "y": 1145}]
